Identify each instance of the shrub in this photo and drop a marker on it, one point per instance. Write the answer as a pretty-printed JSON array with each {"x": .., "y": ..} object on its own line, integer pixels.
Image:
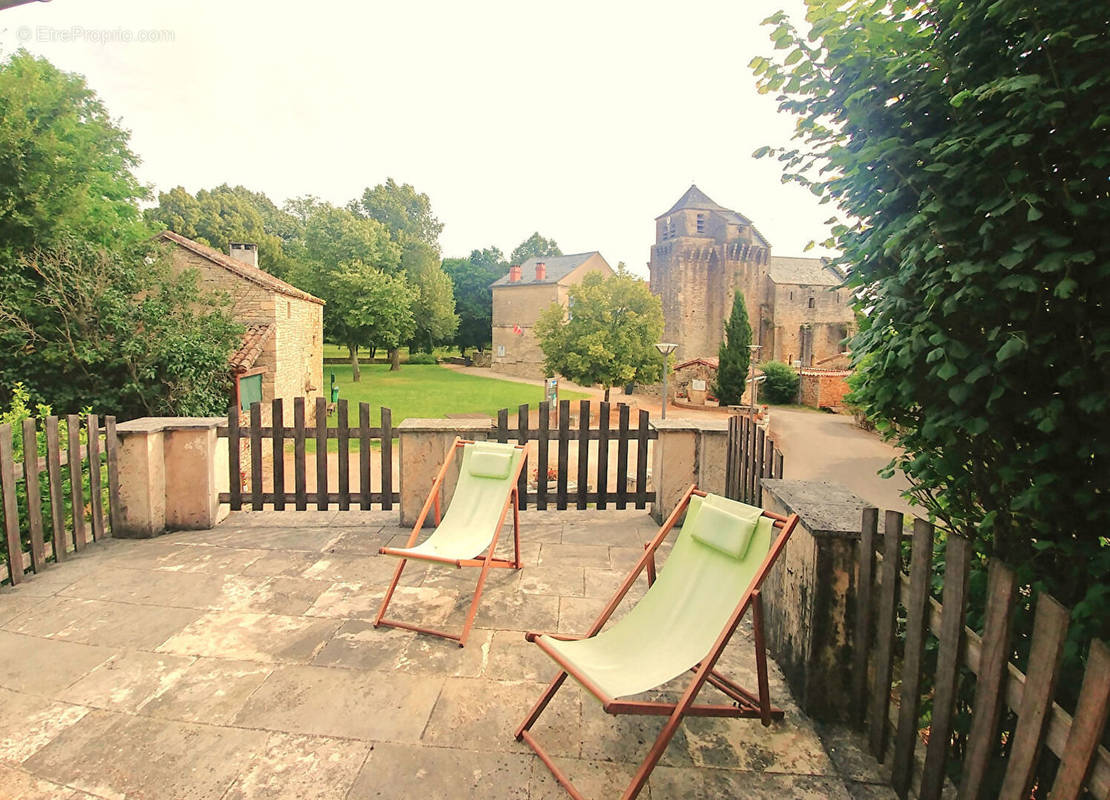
[
  {"x": 781, "y": 385},
  {"x": 422, "y": 358}
]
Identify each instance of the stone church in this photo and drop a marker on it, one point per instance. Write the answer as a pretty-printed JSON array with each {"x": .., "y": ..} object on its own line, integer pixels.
[{"x": 703, "y": 252}]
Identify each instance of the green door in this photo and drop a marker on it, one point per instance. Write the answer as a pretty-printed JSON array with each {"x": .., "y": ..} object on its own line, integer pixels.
[{"x": 250, "y": 391}]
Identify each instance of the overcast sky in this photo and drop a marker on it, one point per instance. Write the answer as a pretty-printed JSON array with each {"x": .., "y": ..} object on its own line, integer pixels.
[{"x": 583, "y": 120}]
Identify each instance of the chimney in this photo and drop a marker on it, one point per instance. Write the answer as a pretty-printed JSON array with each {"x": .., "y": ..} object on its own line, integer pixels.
[
  {"x": 541, "y": 271},
  {"x": 514, "y": 273},
  {"x": 245, "y": 253}
]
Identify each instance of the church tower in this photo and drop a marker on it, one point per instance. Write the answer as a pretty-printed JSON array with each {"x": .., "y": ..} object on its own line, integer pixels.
[{"x": 703, "y": 252}]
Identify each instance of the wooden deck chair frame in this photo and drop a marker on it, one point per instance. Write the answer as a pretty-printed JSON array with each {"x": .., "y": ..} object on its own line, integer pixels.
[
  {"x": 487, "y": 562},
  {"x": 746, "y": 704}
]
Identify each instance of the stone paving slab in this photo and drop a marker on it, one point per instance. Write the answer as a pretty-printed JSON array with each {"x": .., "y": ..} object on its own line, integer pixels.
[
  {"x": 242, "y": 663},
  {"x": 373, "y": 706},
  {"x": 111, "y": 755}
]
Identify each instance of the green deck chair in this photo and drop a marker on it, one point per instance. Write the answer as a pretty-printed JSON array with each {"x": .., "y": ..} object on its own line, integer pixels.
[
  {"x": 709, "y": 581},
  {"x": 487, "y": 487}
]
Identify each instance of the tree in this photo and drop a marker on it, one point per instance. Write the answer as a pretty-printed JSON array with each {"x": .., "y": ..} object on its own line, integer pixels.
[
  {"x": 376, "y": 310},
  {"x": 333, "y": 236},
  {"x": 404, "y": 211},
  {"x": 534, "y": 245},
  {"x": 336, "y": 241},
  {"x": 434, "y": 307},
  {"x": 471, "y": 279},
  {"x": 226, "y": 214},
  {"x": 966, "y": 145},
  {"x": 65, "y": 166},
  {"x": 121, "y": 334},
  {"x": 734, "y": 357},
  {"x": 781, "y": 382},
  {"x": 608, "y": 337}
]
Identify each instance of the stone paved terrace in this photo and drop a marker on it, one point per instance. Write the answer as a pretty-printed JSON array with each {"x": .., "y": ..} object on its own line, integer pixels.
[{"x": 241, "y": 663}]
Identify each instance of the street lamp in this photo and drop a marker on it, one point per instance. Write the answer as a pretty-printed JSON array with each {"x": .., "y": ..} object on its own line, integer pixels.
[
  {"x": 752, "y": 382},
  {"x": 665, "y": 349}
]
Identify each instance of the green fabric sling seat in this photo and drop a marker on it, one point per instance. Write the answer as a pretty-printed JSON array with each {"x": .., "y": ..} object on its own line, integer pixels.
[
  {"x": 690, "y": 611},
  {"x": 486, "y": 489}
]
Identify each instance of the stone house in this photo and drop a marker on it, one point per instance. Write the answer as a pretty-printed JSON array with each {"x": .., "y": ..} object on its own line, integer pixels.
[
  {"x": 703, "y": 252},
  {"x": 282, "y": 351},
  {"x": 696, "y": 369},
  {"x": 522, "y": 295}
]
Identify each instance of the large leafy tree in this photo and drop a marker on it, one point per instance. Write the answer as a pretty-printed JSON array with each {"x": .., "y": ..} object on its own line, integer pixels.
[
  {"x": 608, "y": 337},
  {"x": 406, "y": 212},
  {"x": 534, "y": 245},
  {"x": 471, "y": 278},
  {"x": 89, "y": 315},
  {"x": 65, "y": 165},
  {"x": 434, "y": 309},
  {"x": 376, "y": 309},
  {"x": 217, "y": 217},
  {"x": 967, "y": 146},
  {"x": 734, "y": 357},
  {"x": 121, "y": 333},
  {"x": 337, "y": 243}
]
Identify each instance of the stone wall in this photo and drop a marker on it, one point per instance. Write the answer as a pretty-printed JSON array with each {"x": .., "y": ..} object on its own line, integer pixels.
[
  {"x": 830, "y": 320},
  {"x": 823, "y": 388}
]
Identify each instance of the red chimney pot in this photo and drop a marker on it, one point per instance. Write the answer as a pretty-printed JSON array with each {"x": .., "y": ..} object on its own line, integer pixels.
[
  {"x": 514, "y": 273},
  {"x": 541, "y": 271}
]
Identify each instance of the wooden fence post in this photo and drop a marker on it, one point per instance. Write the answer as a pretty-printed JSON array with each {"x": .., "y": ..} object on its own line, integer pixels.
[
  {"x": 60, "y": 537},
  {"x": 76, "y": 487},
  {"x": 887, "y": 615},
  {"x": 11, "y": 510},
  {"x": 957, "y": 561},
  {"x": 921, "y": 573},
  {"x": 96, "y": 498},
  {"x": 34, "y": 496}
]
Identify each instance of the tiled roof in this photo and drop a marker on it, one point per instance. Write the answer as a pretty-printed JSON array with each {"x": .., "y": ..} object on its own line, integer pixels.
[
  {"x": 254, "y": 339},
  {"x": 695, "y": 198},
  {"x": 245, "y": 271},
  {"x": 558, "y": 267},
  {"x": 803, "y": 271},
  {"x": 710, "y": 361}
]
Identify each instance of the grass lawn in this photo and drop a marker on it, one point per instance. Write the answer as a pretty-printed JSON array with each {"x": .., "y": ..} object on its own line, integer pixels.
[{"x": 430, "y": 391}]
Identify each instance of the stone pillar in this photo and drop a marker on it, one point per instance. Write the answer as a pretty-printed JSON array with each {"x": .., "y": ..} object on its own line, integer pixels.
[
  {"x": 810, "y": 594},
  {"x": 142, "y": 479},
  {"x": 192, "y": 486},
  {"x": 424, "y": 445},
  {"x": 168, "y": 477},
  {"x": 687, "y": 451}
]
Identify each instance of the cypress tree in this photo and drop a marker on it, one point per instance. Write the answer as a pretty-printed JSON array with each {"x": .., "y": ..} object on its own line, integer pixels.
[{"x": 734, "y": 355}]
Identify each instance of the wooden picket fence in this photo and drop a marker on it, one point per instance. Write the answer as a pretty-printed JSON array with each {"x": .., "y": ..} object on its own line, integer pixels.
[
  {"x": 752, "y": 456},
  {"x": 623, "y": 438},
  {"x": 85, "y": 520},
  {"x": 894, "y": 729},
  {"x": 274, "y": 436}
]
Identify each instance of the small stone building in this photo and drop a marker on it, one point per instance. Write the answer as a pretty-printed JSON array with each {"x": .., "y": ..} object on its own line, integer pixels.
[
  {"x": 522, "y": 295},
  {"x": 823, "y": 388},
  {"x": 696, "y": 369},
  {"x": 282, "y": 351},
  {"x": 703, "y": 252}
]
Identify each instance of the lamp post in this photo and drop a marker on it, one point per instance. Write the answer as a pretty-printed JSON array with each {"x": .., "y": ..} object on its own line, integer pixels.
[
  {"x": 752, "y": 382},
  {"x": 665, "y": 349}
]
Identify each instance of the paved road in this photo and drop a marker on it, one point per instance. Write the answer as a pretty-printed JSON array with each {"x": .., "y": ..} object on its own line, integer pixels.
[{"x": 817, "y": 446}]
